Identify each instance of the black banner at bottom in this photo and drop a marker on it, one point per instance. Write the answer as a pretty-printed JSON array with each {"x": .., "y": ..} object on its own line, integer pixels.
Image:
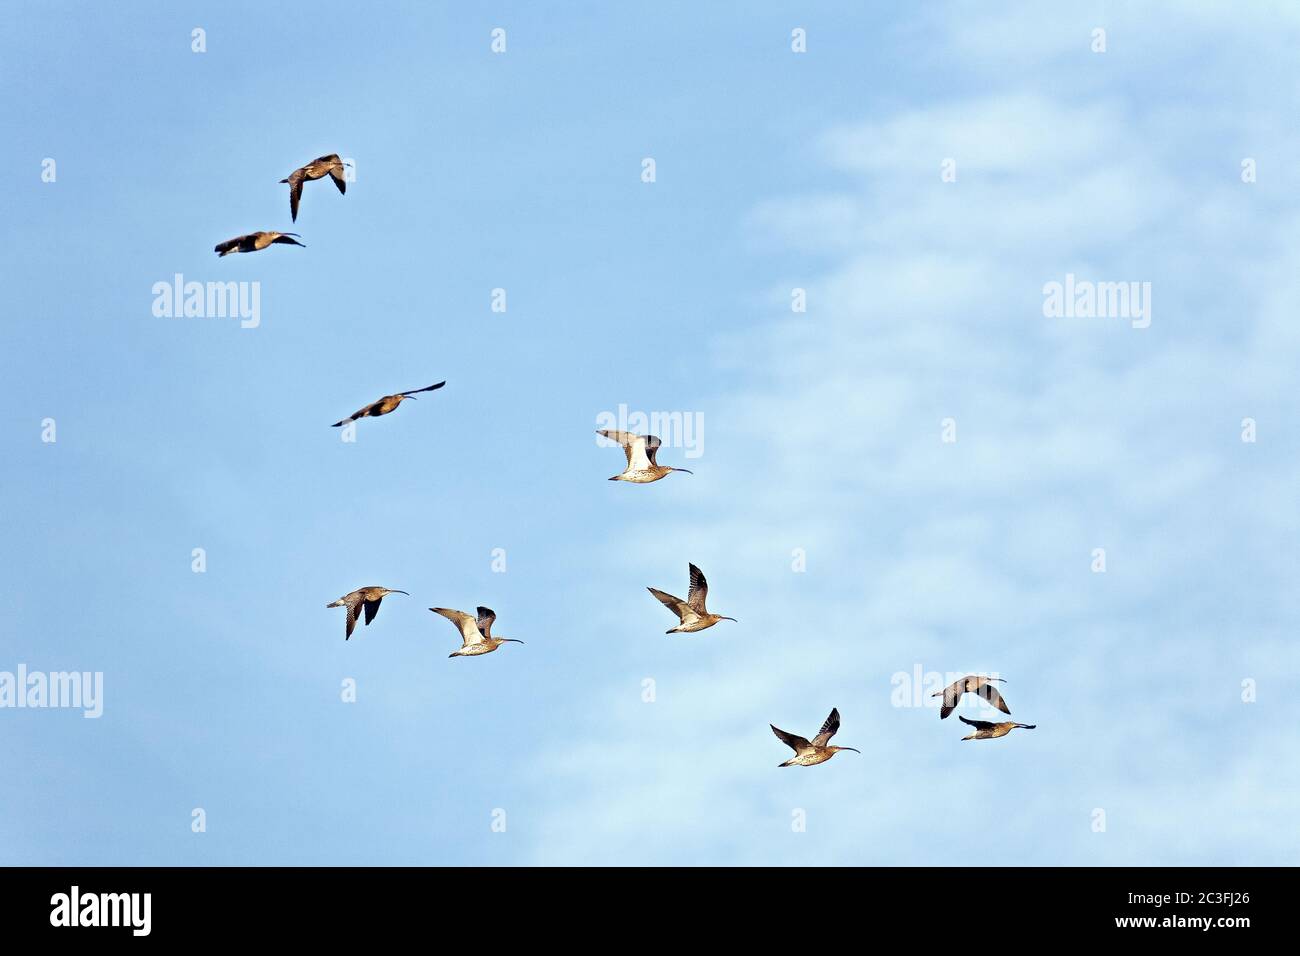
[{"x": 1223, "y": 906}]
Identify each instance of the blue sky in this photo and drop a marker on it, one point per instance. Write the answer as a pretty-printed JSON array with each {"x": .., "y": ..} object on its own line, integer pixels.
[{"x": 775, "y": 171}]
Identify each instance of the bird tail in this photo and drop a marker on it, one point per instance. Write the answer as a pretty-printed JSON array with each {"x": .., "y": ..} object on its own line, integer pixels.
[
  {"x": 339, "y": 603},
  {"x": 788, "y": 763}
]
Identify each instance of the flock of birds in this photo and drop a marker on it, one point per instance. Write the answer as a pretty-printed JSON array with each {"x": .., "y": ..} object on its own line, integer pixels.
[
  {"x": 330, "y": 166},
  {"x": 692, "y": 614}
]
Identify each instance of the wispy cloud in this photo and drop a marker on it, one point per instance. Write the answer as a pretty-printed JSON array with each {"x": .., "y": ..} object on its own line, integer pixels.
[{"x": 1071, "y": 435}]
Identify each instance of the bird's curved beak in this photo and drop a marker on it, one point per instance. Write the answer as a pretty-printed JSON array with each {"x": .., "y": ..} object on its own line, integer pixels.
[
  {"x": 394, "y": 591},
  {"x": 854, "y": 749},
  {"x": 511, "y": 640},
  {"x": 725, "y": 618},
  {"x": 687, "y": 470}
]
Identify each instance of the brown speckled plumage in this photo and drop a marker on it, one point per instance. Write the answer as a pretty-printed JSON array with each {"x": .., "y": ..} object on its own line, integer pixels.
[
  {"x": 640, "y": 451},
  {"x": 384, "y": 405},
  {"x": 984, "y": 730},
  {"x": 475, "y": 632},
  {"x": 329, "y": 165},
  {"x": 809, "y": 753},
  {"x": 256, "y": 242},
  {"x": 970, "y": 685},
  {"x": 692, "y": 613},
  {"x": 368, "y": 598}
]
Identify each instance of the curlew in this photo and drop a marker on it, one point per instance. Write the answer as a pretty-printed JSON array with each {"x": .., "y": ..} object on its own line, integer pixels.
[
  {"x": 640, "y": 451},
  {"x": 692, "y": 613},
  {"x": 984, "y": 730},
  {"x": 385, "y": 405},
  {"x": 475, "y": 633},
  {"x": 353, "y": 601},
  {"x": 329, "y": 165},
  {"x": 977, "y": 685},
  {"x": 255, "y": 242},
  {"x": 815, "y": 751}
]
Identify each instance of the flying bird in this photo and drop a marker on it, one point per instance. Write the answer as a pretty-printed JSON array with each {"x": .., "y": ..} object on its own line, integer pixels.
[
  {"x": 475, "y": 633},
  {"x": 256, "y": 242},
  {"x": 640, "y": 451},
  {"x": 329, "y": 165},
  {"x": 691, "y": 612},
  {"x": 385, "y": 404},
  {"x": 806, "y": 752},
  {"x": 984, "y": 730},
  {"x": 977, "y": 685},
  {"x": 353, "y": 601}
]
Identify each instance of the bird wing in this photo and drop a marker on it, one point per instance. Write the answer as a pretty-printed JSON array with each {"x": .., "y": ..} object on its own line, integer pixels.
[
  {"x": 415, "y": 391},
  {"x": 352, "y": 607},
  {"x": 796, "y": 743},
  {"x": 951, "y": 694},
  {"x": 230, "y": 245},
  {"x": 485, "y": 618},
  {"x": 649, "y": 445},
  {"x": 977, "y": 724},
  {"x": 990, "y": 693},
  {"x": 337, "y": 173},
  {"x": 295, "y": 194},
  {"x": 468, "y": 627},
  {"x": 699, "y": 591},
  {"x": 362, "y": 412},
  {"x": 829, "y": 729},
  {"x": 674, "y": 604},
  {"x": 372, "y": 608},
  {"x": 633, "y": 445}
]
